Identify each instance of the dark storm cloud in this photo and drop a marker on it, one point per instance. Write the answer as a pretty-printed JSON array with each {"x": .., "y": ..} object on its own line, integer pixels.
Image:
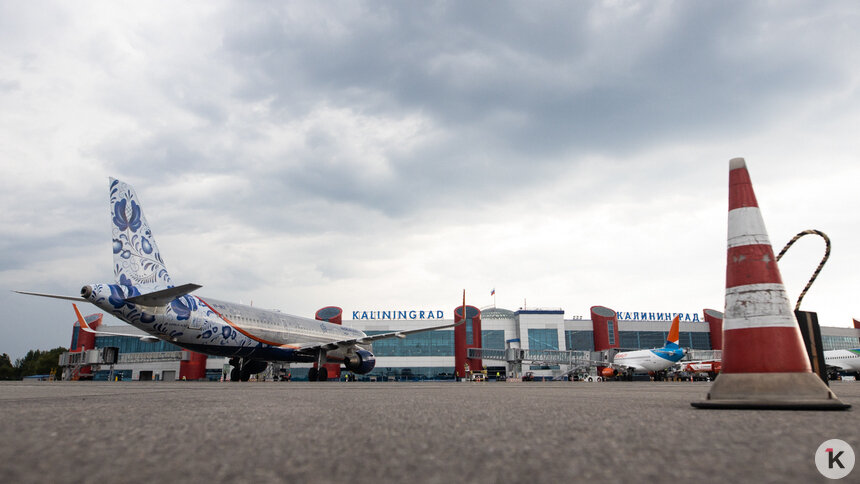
[
  {"x": 510, "y": 94},
  {"x": 21, "y": 250},
  {"x": 669, "y": 70},
  {"x": 169, "y": 154},
  {"x": 519, "y": 86}
]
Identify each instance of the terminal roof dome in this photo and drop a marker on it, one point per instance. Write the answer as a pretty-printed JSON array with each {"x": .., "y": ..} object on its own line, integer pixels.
[{"x": 497, "y": 313}]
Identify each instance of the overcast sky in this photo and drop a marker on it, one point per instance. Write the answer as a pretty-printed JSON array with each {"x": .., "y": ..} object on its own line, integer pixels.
[{"x": 388, "y": 155}]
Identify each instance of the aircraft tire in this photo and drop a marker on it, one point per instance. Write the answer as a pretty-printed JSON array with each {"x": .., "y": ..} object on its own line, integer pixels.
[
  {"x": 234, "y": 374},
  {"x": 313, "y": 374},
  {"x": 246, "y": 375},
  {"x": 323, "y": 374}
]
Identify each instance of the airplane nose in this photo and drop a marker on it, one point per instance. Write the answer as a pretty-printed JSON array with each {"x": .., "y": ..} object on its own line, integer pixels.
[{"x": 86, "y": 292}]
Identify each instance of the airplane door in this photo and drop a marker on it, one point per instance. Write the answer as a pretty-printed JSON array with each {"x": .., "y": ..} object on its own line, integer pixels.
[{"x": 196, "y": 321}]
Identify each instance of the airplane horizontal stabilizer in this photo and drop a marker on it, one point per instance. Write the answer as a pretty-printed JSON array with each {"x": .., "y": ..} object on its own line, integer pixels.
[
  {"x": 164, "y": 296},
  {"x": 68, "y": 298},
  {"x": 86, "y": 327}
]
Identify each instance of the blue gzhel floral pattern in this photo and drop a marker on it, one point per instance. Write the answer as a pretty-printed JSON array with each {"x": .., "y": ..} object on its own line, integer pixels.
[
  {"x": 137, "y": 261},
  {"x": 183, "y": 307},
  {"x": 139, "y": 269}
]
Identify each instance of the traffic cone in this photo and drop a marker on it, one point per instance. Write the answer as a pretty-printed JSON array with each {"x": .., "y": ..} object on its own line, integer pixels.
[{"x": 764, "y": 363}]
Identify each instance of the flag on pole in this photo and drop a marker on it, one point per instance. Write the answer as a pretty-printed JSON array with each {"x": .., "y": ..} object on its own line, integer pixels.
[{"x": 493, "y": 292}]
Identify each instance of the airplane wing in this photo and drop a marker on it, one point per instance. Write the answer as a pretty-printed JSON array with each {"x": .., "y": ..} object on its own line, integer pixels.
[
  {"x": 310, "y": 347},
  {"x": 609, "y": 364},
  {"x": 840, "y": 365},
  {"x": 663, "y": 353}
]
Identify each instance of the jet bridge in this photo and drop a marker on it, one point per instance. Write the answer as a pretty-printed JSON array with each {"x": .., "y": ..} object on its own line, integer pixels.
[
  {"x": 702, "y": 355},
  {"x": 516, "y": 356},
  {"x": 73, "y": 361}
]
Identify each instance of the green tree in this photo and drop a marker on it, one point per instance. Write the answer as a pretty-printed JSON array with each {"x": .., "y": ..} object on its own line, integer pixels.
[
  {"x": 7, "y": 370},
  {"x": 38, "y": 362}
]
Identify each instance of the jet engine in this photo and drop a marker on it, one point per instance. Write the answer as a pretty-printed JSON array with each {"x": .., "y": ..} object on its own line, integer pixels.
[
  {"x": 609, "y": 372},
  {"x": 361, "y": 362},
  {"x": 252, "y": 367},
  {"x": 242, "y": 371}
]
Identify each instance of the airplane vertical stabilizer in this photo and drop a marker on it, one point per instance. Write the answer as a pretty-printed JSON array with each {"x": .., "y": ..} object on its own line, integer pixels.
[
  {"x": 136, "y": 259},
  {"x": 674, "y": 337}
]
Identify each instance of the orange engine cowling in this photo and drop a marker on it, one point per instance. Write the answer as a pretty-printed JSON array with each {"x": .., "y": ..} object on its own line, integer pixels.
[{"x": 608, "y": 372}]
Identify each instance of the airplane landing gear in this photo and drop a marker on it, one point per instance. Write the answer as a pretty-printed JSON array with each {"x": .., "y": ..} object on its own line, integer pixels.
[
  {"x": 318, "y": 374},
  {"x": 236, "y": 371}
]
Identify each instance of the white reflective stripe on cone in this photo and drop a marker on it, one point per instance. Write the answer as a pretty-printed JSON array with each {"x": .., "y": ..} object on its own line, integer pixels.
[
  {"x": 746, "y": 227},
  {"x": 757, "y": 306}
]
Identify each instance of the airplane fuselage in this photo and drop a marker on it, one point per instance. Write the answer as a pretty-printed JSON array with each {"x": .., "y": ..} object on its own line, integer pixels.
[
  {"x": 642, "y": 361},
  {"x": 848, "y": 360},
  {"x": 222, "y": 328}
]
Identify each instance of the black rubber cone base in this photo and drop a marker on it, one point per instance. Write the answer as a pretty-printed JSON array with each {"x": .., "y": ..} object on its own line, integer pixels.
[{"x": 770, "y": 391}]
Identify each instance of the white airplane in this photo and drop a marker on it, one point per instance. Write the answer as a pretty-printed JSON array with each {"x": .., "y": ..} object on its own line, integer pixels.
[
  {"x": 646, "y": 361},
  {"x": 843, "y": 360},
  {"x": 144, "y": 296}
]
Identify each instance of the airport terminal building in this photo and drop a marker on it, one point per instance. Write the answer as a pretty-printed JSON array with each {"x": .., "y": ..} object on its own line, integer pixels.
[{"x": 544, "y": 336}]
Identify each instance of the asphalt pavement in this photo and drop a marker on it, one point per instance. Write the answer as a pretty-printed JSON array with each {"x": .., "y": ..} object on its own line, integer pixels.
[{"x": 388, "y": 432}]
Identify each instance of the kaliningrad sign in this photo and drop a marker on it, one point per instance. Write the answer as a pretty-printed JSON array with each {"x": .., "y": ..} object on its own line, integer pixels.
[
  {"x": 647, "y": 316},
  {"x": 415, "y": 314},
  {"x": 398, "y": 315}
]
